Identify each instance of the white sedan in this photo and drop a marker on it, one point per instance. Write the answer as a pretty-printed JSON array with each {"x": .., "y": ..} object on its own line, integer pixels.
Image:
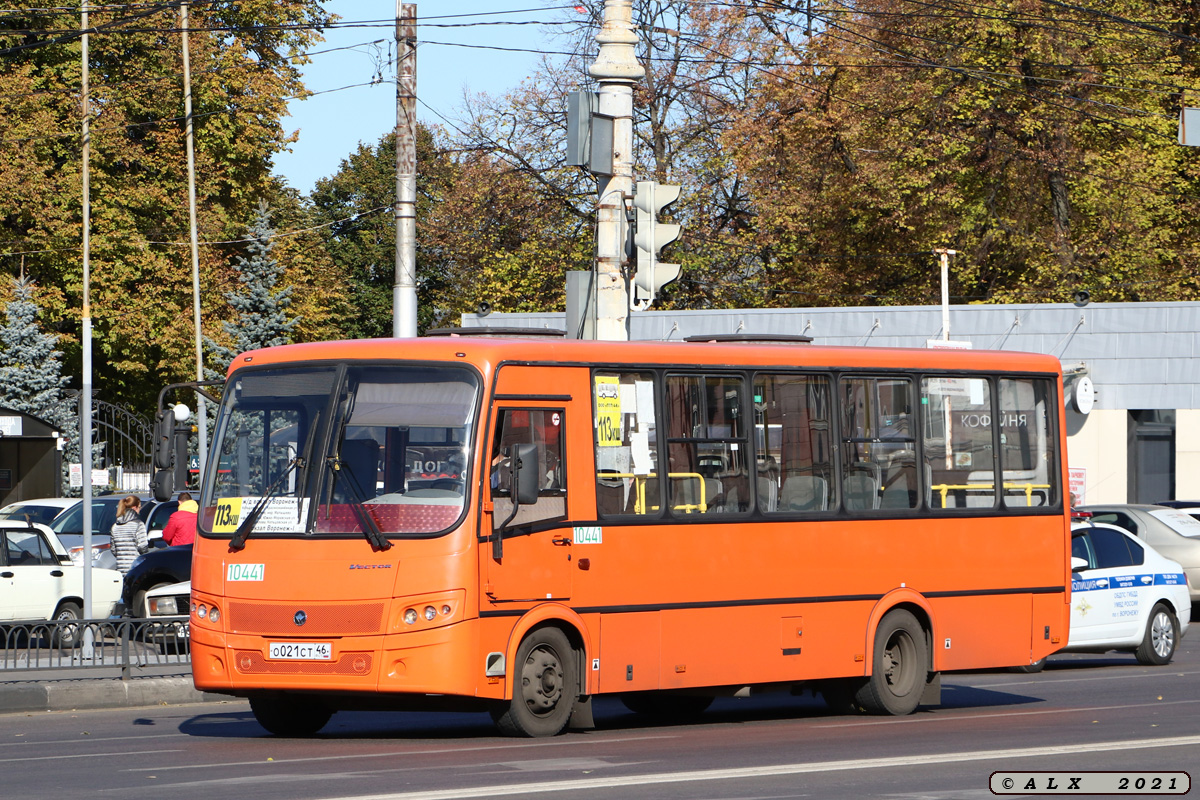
[
  {"x": 38, "y": 582},
  {"x": 1125, "y": 595}
]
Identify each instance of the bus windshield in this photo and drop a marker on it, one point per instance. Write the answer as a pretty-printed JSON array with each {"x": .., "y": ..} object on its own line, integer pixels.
[{"x": 328, "y": 449}]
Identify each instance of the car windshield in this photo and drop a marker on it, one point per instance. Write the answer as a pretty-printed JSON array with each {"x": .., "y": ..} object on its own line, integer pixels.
[
  {"x": 71, "y": 521},
  {"x": 1178, "y": 521},
  {"x": 31, "y": 512},
  {"x": 312, "y": 450}
]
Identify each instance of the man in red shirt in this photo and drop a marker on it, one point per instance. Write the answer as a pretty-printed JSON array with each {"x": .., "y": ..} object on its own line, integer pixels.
[{"x": 181, "y": 527}]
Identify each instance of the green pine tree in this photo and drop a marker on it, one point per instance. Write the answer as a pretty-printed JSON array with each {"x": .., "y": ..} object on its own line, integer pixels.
[
  {"x": 31, "y": 378},
  {"x": 261, "y": 308}
]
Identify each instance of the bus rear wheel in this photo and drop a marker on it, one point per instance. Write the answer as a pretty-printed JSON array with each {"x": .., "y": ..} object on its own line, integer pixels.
[
  {"x": 545, "y": 686},
  {"x": 291, "y": 717},
  {"x": 898, "y": 667}
]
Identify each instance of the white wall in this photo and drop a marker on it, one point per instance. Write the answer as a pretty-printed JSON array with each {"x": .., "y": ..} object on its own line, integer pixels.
[
  {"x": 1098, "y": 445},
  {"x": 1187, "y": 454}
]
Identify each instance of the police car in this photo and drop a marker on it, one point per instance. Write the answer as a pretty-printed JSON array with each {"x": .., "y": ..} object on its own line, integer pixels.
[{"x": 1124, "y": 595}]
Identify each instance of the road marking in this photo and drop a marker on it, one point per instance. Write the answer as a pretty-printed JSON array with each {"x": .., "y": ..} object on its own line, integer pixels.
[
  {"x": 591, "y": 741},
  {"x": 110, "y": 754},
  {"x": 1002, "y": 714},
  {"x": 577, "y": 785}
]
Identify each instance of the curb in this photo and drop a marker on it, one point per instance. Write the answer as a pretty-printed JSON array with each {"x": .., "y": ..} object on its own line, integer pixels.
[{"x": 100, "y": 693}]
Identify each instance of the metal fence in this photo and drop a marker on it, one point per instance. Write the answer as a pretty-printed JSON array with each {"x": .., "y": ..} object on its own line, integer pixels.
[{"x": 124, "y": 644}]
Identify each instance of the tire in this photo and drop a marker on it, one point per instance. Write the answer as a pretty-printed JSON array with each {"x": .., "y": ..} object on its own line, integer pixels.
[
  {"x": 545, "y": 686},
  {"x": 666, "y": 707},
  {"x": 899, "y": 667},
  {"x": 1161, "y": 639},
  {"x": 1029, "y": 669},
  {"x": 291, "y": 717},
  {"x": 66, "y": 636}
]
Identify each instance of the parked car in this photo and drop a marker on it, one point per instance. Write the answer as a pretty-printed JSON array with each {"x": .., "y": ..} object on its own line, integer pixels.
[
  {"x": 1125, "y": 595},
  {"x": 168, "y": 603},
  {"x": 1189, "y": 507},
  {"x": 169, "y": 600},
  {"x": 1170, "y": 531},
  {"x": 42, "y": 511},
  {"x": 38, "y": 582},
  {"x": 153, "y": 570},
  {"x": 69, "y": 526}
]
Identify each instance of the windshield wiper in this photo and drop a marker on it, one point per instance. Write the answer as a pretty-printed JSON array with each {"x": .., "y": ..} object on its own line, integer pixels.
[
  {"x": 365, "y": 520},
  {"x": 243, "y": 532}
]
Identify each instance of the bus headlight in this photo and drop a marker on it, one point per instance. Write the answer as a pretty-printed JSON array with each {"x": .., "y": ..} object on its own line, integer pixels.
[
  {"x": 410, "y": 616},
  {"x": 430, "y": 612}
]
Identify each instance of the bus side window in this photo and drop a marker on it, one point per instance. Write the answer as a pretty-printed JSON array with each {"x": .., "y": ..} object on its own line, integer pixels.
[
  {"x": 957, "y": 418},
  {"x": 545, "y": 429},
  {"x": 707, "y": 444},
  {"x": 879, "y": 468},
  {"x": 793, "y": 444},
  {"x": 1028, "y": 448},
  {"x": 625, "y": 431}
]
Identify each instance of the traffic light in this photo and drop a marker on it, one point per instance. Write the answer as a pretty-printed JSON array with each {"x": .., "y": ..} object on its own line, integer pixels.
[{"x": 650, "y": 237}]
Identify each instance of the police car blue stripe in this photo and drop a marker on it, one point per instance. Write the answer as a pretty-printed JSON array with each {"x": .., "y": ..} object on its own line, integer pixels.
[{"x": 1129, "y": 582}]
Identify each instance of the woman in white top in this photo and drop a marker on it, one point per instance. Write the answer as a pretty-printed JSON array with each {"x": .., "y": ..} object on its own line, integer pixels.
[{"x": 128, "y": 533}]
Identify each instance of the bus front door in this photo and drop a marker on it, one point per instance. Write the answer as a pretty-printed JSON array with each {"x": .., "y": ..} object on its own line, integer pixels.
[{"x": 529, "y": 552}]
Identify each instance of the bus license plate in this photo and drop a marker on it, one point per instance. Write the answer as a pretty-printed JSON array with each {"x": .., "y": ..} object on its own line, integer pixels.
[{"x": 300, "y": 651}]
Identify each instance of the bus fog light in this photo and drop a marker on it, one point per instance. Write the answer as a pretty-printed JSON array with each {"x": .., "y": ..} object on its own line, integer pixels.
[
  {"x": 430, "y": 612},
  {"x": 410, "y": 616},
  {"x": 445, "y": 611}
]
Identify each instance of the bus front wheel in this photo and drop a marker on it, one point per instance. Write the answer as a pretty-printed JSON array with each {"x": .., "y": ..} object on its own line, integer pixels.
[
  {"x": 289, "y": 716},
  {"x": 898, "y": 668},
  {"x": 545, "y": 686}
]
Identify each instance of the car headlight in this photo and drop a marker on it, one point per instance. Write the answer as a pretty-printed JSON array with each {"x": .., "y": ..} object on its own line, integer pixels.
[{"x": 163, "y": 606}]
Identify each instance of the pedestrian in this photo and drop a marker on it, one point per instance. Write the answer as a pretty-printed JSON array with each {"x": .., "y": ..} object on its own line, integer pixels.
[
  {"x": 181, "y": 527},
  {"x": 128, "y": 533}
]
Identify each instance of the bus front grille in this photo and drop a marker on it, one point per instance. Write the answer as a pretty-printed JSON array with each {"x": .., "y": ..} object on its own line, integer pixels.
[{"x": 278, "y": 619}]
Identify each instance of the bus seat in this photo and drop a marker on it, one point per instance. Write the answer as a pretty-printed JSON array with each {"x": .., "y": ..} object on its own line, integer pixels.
[
  {"x": 861, "y": 491},
  {"x": 768, "y": 493},
  {"x": 804, "y": 493}
]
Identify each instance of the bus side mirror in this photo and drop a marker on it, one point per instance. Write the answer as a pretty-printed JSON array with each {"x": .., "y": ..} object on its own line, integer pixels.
[{"x": 525, "y": 473}]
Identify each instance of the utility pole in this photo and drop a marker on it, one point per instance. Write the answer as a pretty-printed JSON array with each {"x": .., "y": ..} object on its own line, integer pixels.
[
  {"x": 201, "y": 410},
  {"x": 404, "y": 290},
  {"x": 85, "y": 396},
  {"x": 945, "y": 255},
  {"x": 616, "y": 69}
]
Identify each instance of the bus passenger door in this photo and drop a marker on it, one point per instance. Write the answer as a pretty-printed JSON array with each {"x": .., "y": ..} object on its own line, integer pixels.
[{"x": 529, "y": 553}]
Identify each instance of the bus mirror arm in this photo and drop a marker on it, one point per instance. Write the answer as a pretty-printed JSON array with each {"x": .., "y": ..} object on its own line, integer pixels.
[{"x": 524, "y": 480}]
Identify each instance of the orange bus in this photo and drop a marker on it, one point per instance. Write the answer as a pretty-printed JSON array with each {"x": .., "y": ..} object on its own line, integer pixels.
[{"x": 521, "y": 524}]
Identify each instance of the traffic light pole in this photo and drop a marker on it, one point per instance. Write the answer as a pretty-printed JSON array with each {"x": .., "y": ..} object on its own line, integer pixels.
[{"x": 616, "y": 70}]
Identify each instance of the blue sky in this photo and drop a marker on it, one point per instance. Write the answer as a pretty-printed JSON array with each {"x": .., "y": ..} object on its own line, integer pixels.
[{"x": 452, "y": 57}]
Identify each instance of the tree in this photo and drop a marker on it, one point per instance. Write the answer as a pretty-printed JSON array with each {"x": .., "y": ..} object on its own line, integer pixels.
[
  {"x": 31, "y": 378},
  {"x": 244, "y": 61},
  {"x": 1035, "y": 138},
  {"x": 260, "y": 308},
  {"x": 485, "y": 232}
]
